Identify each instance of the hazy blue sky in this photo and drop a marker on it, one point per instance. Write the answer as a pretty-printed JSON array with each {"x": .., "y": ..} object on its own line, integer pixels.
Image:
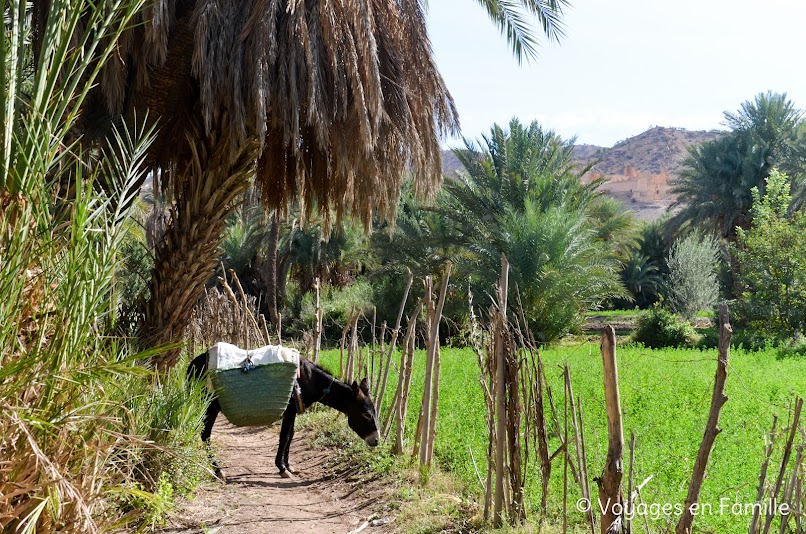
[{"x": 624, "y": 65}]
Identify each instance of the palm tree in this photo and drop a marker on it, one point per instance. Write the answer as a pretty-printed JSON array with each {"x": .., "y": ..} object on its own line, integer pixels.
[
  {"x": 642, "y": 278},
  {"x": 716, "y": 183},
  {"x": 615, "y": 225},
  {"x": 523, "y": 197},
  {"x": 306, "y": 252},
  {"x": 326, "y": 103}
]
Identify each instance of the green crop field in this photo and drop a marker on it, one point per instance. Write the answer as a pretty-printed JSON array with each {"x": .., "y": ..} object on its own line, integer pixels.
[{"x": 665, "y": 397}]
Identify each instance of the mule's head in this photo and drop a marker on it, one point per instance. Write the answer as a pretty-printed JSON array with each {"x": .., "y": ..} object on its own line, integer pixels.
[{"x": 361, "y": 414}]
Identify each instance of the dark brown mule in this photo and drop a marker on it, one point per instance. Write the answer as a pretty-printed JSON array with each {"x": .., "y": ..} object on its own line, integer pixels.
[{"x": 316, "y": 385}]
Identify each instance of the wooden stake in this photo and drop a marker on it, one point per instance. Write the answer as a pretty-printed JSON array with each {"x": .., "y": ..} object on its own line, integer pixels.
[
  {"x": 790, "y": 490},
  {"x": 718, "y": 399},
  {"x": 799, "y": 501},
  {"x": 784, "y": 462},
  {"x": 583, "y": 466},
  {"x": 500, "y": 393},
  {"x": 762, "y": 478},
  {"x": 402, "y": 375},
  {"x": 395, "y": 331},
  {"x": 318, "y": 327},
  {"x": 610, "y": 482},
  {"x": 431, "y": 371},
  {"x": 432, "y": 431},
  {"x": 403, "y": 402},
  {"x": 381, "y": 352},
  {"x": 629, "y": 508},
  {"x": 352, "y": 351},
  {"x": 583, "y": 476},
  {"x": 557, "y": 428},
  {"x": 542, "y": 440},
  {"x": 343, "y": 344},
  {"x": 371, "y": 353},
  {"x": 434, "y": 347},
  {"x": 429, "y": 368},
  {"x": 566, "y": 461}
]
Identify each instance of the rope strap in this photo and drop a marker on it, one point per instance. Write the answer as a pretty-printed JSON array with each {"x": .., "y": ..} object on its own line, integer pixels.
[
  {"x": 297, "y": 394},
  {"x": 247, "y": 365}
]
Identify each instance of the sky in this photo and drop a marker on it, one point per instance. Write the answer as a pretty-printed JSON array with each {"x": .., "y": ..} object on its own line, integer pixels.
[{"x": 623, "y": 66}]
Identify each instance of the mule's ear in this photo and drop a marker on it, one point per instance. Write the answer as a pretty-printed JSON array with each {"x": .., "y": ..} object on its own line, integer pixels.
[
  {"x": 357, "y": 393},
  {"x": 364, "y": 386}
]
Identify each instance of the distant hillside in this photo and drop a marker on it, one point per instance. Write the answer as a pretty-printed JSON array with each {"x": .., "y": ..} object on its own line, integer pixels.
[
  {"x": 450, "y": 163},
  {"x": 639, "y": 171},
  {"x": 653, "y": 152}
]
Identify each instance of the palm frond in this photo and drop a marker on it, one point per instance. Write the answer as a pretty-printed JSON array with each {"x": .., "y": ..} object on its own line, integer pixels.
[{"x": 513, "y": 20}]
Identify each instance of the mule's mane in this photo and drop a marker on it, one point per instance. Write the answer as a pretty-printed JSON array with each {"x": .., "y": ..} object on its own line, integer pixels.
[{"x": 321, "y": 368}]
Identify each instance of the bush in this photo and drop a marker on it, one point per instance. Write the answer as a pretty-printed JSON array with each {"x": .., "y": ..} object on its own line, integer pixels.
[
  {"x": 693, "y": 284},
  {"x": 661, "y": 328}
]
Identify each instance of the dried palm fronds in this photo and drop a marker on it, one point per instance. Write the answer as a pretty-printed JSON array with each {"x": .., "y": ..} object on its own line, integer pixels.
[
  {"x": 344, "y": 98},
  {"x": 227, "y": 315}
]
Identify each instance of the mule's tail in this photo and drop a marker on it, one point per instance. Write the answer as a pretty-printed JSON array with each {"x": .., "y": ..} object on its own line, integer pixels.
[{"x": 197, "y": 367}]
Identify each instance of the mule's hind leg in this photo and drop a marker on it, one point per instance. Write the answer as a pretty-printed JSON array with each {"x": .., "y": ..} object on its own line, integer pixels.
[
  {"x": 209, "y": 420},
  {"x": 286, "y": 435}
]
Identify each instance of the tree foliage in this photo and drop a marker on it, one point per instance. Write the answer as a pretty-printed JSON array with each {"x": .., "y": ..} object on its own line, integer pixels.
[
  {"x": 771, "y": 259},
  {"x": 660, "y": 328},
  {"x": 523, "y": 197},
  {"x": 512, "y": 19},
  {"x": 719, "y": 175},
  {"x": 643, "y": 279}
]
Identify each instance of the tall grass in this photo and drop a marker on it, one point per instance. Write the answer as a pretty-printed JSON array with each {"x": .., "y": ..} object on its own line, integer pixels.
[{"x": 84, "y": 438}]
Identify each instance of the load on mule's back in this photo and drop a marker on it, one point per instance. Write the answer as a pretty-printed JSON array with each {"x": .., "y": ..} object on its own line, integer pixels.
[
  {"x": 252, "y": 386},
  {"x": 265, "y": 396}
]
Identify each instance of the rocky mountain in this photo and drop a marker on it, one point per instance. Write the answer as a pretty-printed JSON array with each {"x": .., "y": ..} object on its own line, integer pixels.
[{"x": 654, "y": 151}]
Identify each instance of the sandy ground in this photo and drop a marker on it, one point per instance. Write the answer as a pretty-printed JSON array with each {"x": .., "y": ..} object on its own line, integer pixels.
[{"x": 255, "y": 499}]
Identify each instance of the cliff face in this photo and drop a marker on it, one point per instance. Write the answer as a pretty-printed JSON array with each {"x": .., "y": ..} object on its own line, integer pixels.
[{"x": 639, "y": 171}]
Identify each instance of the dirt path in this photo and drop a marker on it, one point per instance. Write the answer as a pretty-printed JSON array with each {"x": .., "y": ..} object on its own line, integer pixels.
[{"x": 255, "y": 499}]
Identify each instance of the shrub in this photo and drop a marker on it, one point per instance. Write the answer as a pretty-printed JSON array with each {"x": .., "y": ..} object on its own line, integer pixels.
[
  {"x": 693, "y": 284},
  {"x": 660, "y": 328}
]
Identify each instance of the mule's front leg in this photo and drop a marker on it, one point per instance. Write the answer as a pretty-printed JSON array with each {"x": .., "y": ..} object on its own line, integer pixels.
[{"x": 286, "y": 435}]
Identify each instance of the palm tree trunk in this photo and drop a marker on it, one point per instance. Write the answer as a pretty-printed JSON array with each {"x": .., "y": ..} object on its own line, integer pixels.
[
  {"x": 271, "y": 269},
  {"x": 204, "y": 195},
  {"x": 283, "y": 268}
]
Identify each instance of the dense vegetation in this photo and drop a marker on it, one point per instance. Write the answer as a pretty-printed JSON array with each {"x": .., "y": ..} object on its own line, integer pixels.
[
  {"x": 90, "y": 440},
  {"x": 110, "y": 233}
]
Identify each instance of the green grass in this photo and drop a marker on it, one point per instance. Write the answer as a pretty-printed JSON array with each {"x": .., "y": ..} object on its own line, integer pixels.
[
  {"x": 665, "y": 398},
  {"x": 635, "y": 313}
]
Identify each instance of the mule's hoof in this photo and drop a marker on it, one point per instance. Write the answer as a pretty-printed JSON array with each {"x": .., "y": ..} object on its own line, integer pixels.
[
  {"x": 219, "y": 475},
  {"x": 286, "y": 474},
  {"x": 293, "y": 470}
]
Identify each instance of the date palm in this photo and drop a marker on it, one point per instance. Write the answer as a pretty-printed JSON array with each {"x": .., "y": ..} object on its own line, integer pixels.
[
  {"x": 522, "y": 197},
  {"x": 328, "y": 104},
  {"x": 718, "y": 176}
]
